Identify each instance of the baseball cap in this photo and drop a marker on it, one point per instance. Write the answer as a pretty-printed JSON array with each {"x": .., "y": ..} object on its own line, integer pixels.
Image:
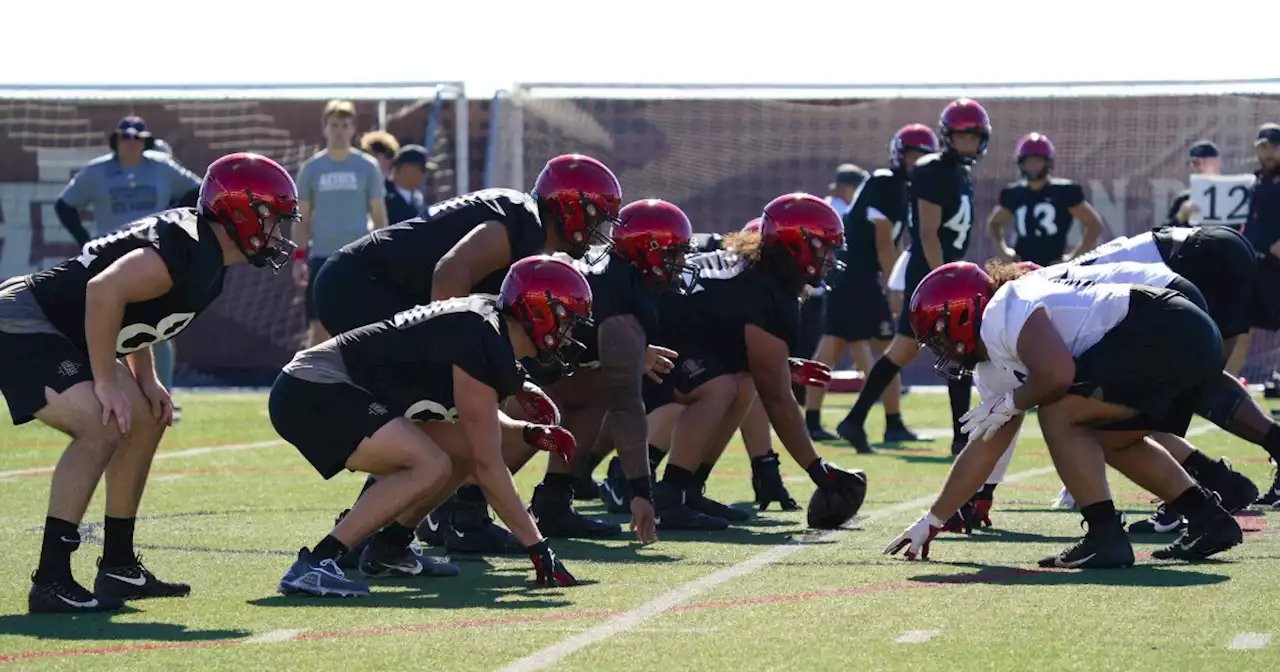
[
  {"x": 849, "y": 174},
  {"x": 132, "y": 127},
  {"x": 1269, "y": 133},
  {"x": 1203, "y": 149},
  {"x": 415, "y": 154}
]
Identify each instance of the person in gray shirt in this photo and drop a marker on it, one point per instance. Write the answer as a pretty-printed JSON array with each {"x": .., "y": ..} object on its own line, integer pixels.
[
  {"x": 131, "y": 182},
  {"x": 340, "y": 199}
]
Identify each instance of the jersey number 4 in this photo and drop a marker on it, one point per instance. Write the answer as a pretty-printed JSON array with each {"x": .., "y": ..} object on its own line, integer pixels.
[
  {"x": 961, "y": 222},
  {"x": 1043, "y": 213}
]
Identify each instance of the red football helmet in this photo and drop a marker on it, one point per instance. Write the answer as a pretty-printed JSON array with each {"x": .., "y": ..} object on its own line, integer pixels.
[
  {"x": 965, "y": 116},
  {"x": 548, "y": 297},
  {"x": 807, "y": 229},
  {"x": 250, "y": 196},
  {"x": 1035, "y": 144},
  {"x": 916, "y": 137},
  {"x": 753, "y": 225},
  {"x": 581, "y": 195},
  {"x": 946, "y": 312},
  {"x": 654, "y": 236}
]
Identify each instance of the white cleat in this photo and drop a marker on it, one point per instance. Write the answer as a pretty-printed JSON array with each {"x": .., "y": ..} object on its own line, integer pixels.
[{"x": 1064, "y": 502}]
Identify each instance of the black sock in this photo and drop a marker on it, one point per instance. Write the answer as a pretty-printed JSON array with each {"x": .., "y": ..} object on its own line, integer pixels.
[
  {"x": 988, "y": 491},
  {"x": 1198, "y": 465},
  {"x": 1272, "y": 442},
  {"x": 328, "y": 549},
  {"x": 117, "y": 542},
  {"x": 893, "y": 421},
  {"x": 656, "y": 455},
  {"x": 558, "y": 482},
  {"x": 681, "y": 478},
  {"x": 799, "y": 392},
  {"x": 1099, "y": 514},
  {"x": 1192, "y": 500},
  {"x": 394, "y": 535},
  {"x": 813, "y": 419},
  {"x": 471, "y": 494},
  {"x": 878, "y": 380},
  {"x": 703, "y": 473},
  {"x": 959, "y": 391},
  {"x": 61, "y": 539}
]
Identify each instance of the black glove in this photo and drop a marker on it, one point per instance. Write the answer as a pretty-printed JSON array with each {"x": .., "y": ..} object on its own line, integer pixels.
[
  {"x": 827, "y": 476},
  {"x": 550, "y": 571}
]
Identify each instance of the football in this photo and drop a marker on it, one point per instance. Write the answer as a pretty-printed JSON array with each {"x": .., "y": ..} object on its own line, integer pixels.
[{"x": 829, "y": 510}]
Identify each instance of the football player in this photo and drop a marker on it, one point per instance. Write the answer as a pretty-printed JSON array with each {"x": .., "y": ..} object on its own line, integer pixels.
[
  {"x": 939, "y": 219},
  {"x": 461, "y": 246},
  {"x": 1062, "y": 346},
  {"x": 75, "y": 355},
  {"x": 645, "y": 258},
  {"x": 1043, "y": 209},
  {"x": 858, "y": 312},
  {"x": 351, "y": 402},
  {"x": 736, "y": 326}
]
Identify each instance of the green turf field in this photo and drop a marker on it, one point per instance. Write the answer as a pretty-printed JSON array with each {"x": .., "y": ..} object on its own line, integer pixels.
[{"x": 228, "y": 507}]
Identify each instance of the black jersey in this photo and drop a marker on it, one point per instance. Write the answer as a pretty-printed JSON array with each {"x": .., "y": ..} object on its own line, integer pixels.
[
  {"x": 729, "y": 295},
  {"x": 1042, "y": 218},
  {"x": 408, "y": 360},
  {"x": 404, "y": 255},
  {"x": 617, "y": 288},
  {"x": 944, "y": 181},
  {"x": 885, "y": 192},
  {"x": 191, "y": 254}
]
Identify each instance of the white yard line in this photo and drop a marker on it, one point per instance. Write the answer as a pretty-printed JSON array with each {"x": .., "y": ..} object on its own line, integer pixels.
[
  {"x": 916, "y": 636},
  {"x": 633, "y": 618},
  {"x": 190, "y": 452},
  {"x": 1250, "y": 640}
]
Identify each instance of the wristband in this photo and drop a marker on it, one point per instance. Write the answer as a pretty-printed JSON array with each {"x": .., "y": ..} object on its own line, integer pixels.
[
  {"x": 641, "y": 487},
  {"x": 299, "y": 254}
]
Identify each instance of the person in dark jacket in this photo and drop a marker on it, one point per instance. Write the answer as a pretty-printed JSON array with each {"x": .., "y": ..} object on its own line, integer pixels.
[{"x": 405, "y": 196}]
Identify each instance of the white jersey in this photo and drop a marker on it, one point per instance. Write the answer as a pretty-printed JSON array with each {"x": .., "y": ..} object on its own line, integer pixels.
[
  {"x": 1082, "y": 313},
  {"x": 840, "y": 205},
  {"x": 1141, "y": 248},
  {"x": 1123, "y": 272}
]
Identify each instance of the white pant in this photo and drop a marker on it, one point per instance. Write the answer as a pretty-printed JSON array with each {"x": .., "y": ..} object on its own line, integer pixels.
[{"x": 898, "y": 276}]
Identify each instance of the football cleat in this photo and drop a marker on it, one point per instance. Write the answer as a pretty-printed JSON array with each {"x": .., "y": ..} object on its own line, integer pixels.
[
  {"x": 616, "y": 490},
  {"x": 1210, "y": 531},
  {"x": 1064, "y": 501},
  {"x": 350, "y": 559},
  {"x": 1234, "y": 489},
  {"x": 556, "y": 518},
  {"x": 134, "y": 582},
  {"x": 586, "y": 490},
  {"x": 65, "y": 596},
  {"x": 473, "y": 531},
  {"x": 673, "y": 513},
  {"x": 1165, "y": 520},
  {"x": 820, "y": 434},
  {"x": 1271, "y": 498},
  {"x": 431, "y": 531},
  {"x": 322, "y": 578},
  {"x": 1106, "y": 547},
  {"x": 855, "y": 435},
  {"x": 899, "y": 435},
  {"x": 378, "y": 561}
]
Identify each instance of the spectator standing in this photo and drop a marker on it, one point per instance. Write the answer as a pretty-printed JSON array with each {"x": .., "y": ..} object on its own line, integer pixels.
[
  {"x": 340, "y": 198},
  {"x": 1262, "y": 228},
  {"x": 406, "y": 198},
  {"x": 382, "y": 146},
  {"x": 1205, "y": 160}
]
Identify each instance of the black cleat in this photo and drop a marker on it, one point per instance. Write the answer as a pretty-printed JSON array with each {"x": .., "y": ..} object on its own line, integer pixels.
[
  {"x": 958, "y": 442},
  {"x": 900, "y": 435},
  {"x": 134, "y": 582},
  {"x": 855, "y": 435},
  {"x": 1234, "y": 488},
  {"x": 674, "y": 514},
  {"x": 586, "y": 490},
  {"x": 473, "y": 531},
  {"x": 1106, "y": 547},
  {"x": 431, "y": 531},
  {"x": 1271, "y": 498},
  {"x": 378, "y": 561},
  {"x": 1208, "y": 532},
  {"x": 553, "y": 511},
  {"x": 1165, "y": 520},
  {"x": 766, "y": 481},
  {"x": 616, "y": 489},
  {"x": 710, "y": 507},
  {"x": 65, "y": 596},
  {"x": 820, "y": 434}
]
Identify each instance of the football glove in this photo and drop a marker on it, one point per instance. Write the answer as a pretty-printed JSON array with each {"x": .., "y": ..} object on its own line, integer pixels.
[
  {"x": 809, "y": 373},
  {"x": 961, "y": 522},
  {"x": 916, "y": 538},
  {"x": 827, "y": 475},
  {"x": 982, "y": 513},
  {"x": 551, "y": 438},
  {"x": 548, "y": 568},
  {"x": 989, "y": 416},
  {"x": 537, "y": 405}
]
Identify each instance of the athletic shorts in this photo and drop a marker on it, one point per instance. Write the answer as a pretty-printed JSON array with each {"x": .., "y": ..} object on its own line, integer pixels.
[
  {"x": 34, "y": 355},
  {"x": 347, "y": 296},
  {"x": 898, "y": 276},
  {"x": 1157, "y": 361},
  {"x": 858, "y": 310},
  {"x": 904, "y": 315},
  {"x": 694, "y": 367},
  {"x": 1265, "y": 306},
  {"x": 1222, "y": 264},
  {"x": 325, "y": 421}
]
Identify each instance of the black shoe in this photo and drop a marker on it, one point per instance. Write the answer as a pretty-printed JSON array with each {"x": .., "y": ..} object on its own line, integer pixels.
[
  {"x": 766, "y": 481},
  {"x": 1271, "y": 498},
  {"x": 820, "y": 434},
  {"x": 553, "y": 511},
  {"x": 378, "y": 561},
  {"x": 710, "y": 507},
  {"x": 855, "y": 435},
  {"x": 1106, "y": 547},
  {"x": 1165, "y": 520},
  {"x": 900, "y": 435},
  {"x": 616, "y": 489},
  {"x": 473, "y": 531},
  {"x": 350, "y": 559},
  {"x": 1234, "y": 488},
  {"x": 1209, "y": 531},
  {"x": 431, "y": 531},
  {"x": 586, "y": 490},
  {"x": 65, "y": 596},
  {"x": 674, "y": 514},
  {"x": 958, "y": 442},
  {"x": 134, "y": 582}
]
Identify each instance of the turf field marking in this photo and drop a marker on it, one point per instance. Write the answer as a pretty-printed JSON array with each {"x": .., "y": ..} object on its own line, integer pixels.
[
  {"x": 916, "y": 636},
  {"x": 635, "y": 617},
  {"x": 1250, "y": 640},
  {"x": 275, "y": 637},
  {"x": 190, "y": 452}
]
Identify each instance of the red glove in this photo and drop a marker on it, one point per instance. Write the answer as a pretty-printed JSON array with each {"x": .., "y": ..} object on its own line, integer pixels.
[
  {"x": 551, "y": 438},
  {"x": 550, "y": 572},
  {"x": 982, "y": 513},
  {"x": 537, "y": 405},
  {"x": 961, "y": 522},
  {"x": 809, "y": 373}
]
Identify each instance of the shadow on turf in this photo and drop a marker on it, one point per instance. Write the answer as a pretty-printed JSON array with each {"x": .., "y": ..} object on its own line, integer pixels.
[
  {"x": 509, "y": 588},
  {"x": 101, "y": 627},
  {"x": 1007, "y": 536},
  {"x": 1160, "y": 576}
]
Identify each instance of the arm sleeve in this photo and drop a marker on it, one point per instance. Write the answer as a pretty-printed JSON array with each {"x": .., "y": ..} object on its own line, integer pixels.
[{"x": 70, "y": 218}]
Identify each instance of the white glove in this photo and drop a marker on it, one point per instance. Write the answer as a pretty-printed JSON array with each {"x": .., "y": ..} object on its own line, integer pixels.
[
  {"x": 916, "y": 538},
  {"x": 989, "y": 416}
]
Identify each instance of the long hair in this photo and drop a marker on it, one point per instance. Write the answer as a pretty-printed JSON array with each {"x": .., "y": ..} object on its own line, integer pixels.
[
  {"x": 744, "y": 244},
  {"x": 1003, "y": 272}
]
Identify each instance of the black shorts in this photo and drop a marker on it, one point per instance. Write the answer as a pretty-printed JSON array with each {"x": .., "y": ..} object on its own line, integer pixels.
[
  {"x": 1156, "y": 361},
  {"x": 813, "y": 312},
  {"x": 31, "y": 362},
  {"x": 858, "y": 310},
  {"x": 325, "y": 421},
  {"x": 1222, "y": 264},
  {"x": 1265, "y": 306},
  {"x": 694, "y": 367},
  {"x": 348, "y": 296},
  {"x": 904, "y": 315}
]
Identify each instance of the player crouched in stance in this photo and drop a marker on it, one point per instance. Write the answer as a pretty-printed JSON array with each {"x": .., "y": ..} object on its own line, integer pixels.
[
  {"x": 75, "y": 355},
  {"x": 1094, "y": 359},
  {"x": 352, "y": 401}
]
